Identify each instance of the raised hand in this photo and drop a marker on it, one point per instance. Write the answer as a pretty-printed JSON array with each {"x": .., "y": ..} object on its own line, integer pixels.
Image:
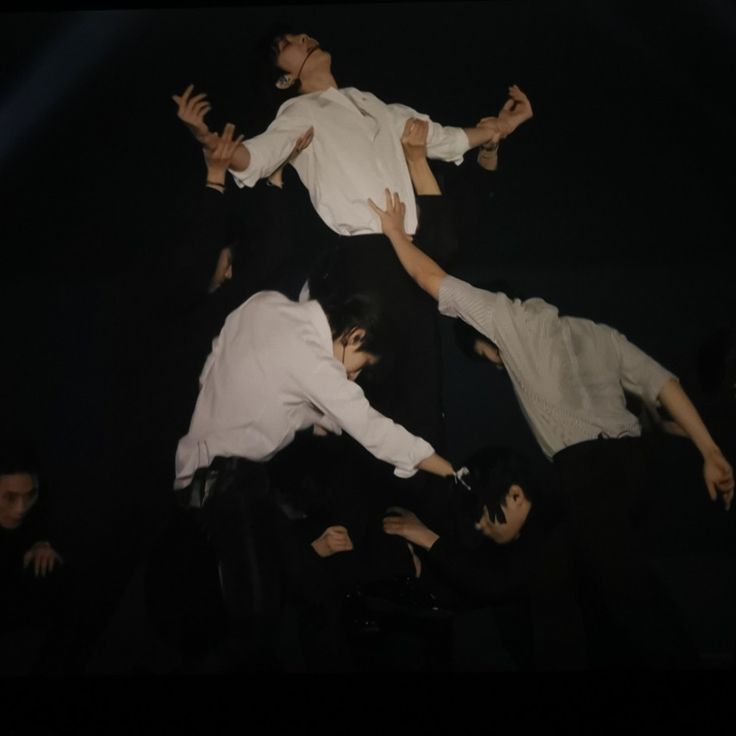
[
  {"x": 496, "y": 127},
  {"x": 414, "y": 139},
  {"x": 392, "y": 218},
  {"x": 219, "y": 157},
  {"x": 276, "y": 179},
  {"x": 191, "y": 111},
  {"x": 515, "y": 110}
]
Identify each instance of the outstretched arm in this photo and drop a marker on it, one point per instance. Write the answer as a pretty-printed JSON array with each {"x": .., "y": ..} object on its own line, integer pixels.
[
  {"x": 717, "y": 472},
  {"x": 491, "y": 130},
  {"x": 516, "y": 110},
  {"x": 191, "y": 110},
  {"x": 418, "y": 265}
]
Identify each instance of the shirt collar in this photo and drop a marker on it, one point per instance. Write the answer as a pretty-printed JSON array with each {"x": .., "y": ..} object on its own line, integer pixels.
[{"x": 340, "y": 96}]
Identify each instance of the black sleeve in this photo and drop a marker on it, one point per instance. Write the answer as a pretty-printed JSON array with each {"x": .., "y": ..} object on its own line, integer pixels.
[
  {"x": 268, "y": 241},
  {"x": 436, "y": 234},
  {"x": 197, "y": 256},
  {"x": 476, "y": 573},
  {"x": 469, "y": 192}
]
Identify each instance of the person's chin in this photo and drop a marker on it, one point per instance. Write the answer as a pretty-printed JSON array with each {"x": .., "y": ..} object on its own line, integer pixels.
[{"x": 11, "y": 525}]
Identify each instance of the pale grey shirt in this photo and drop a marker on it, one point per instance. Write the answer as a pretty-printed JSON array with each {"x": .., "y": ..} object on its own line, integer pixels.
[
  {"x": 271, "y": 373},
  {"x": 569, "y": 374},
  {"x": 355, "y": 154}
]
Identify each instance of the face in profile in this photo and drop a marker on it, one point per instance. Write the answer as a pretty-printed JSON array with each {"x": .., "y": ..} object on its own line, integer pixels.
[
  {"x": 489, "y": 351},
  {"x": 515, "y": 508},
  {"x": 18, "y": 493},
  {"x": 347, "y": 350}
]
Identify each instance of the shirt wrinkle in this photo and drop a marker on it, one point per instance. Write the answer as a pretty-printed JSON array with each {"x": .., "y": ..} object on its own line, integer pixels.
[
  {"x": 352, "y": 157},
  {"x": 566, "y": 371},
  {"x": 272, "y": 373}
]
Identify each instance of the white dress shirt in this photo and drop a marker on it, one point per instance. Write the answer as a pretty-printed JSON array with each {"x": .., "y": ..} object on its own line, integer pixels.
[
  {"x": 272, "y": 372},
  {"x": 355, "y": 154},
  {"x": 569, "y": 374}
]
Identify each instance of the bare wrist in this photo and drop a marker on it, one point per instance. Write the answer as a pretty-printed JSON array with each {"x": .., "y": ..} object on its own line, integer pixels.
[
  {"x": 394, "y": 234},
  {"x": 319, "y": 547},
  {"x": 711, "y": 451}
]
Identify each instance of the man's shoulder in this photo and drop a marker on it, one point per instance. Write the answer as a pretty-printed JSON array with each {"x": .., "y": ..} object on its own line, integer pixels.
[
  {"x": 456, "y": 287},
  {"x": 262, "y": 299},
  {"x": 258, "y": 306}
]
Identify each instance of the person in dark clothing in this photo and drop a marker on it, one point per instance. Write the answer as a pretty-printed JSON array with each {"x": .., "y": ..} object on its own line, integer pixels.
[
  {"x": 30, "y": 577},
  {"x": 493, "y": 567}
]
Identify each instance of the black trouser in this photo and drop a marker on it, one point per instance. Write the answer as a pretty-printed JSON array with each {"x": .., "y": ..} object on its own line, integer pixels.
[
  {"x": 267, "y": 573},
  {"x": 409, "y": 389},
  {"x": 604, "y": 484}
]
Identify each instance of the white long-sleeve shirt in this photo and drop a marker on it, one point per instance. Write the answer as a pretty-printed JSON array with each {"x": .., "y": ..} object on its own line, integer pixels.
[
  {"x": 569, "y": 374},
  {"x": 271, "y": 373},
  {"x": 355, "y": 154}
]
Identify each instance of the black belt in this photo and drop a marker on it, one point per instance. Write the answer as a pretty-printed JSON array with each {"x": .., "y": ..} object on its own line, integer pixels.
[{"x": 196, "y": 493}]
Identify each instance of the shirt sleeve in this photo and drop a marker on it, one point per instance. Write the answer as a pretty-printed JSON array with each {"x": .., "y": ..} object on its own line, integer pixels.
[
  {"x": 444, "y": 142},
  {"x": 640, "y": 374},
  {"x": 475, "y": 306},
  {"x": 200, "y": 249},
  {"x": 270, "y": 149},
  {"x": 343, "y": 402}
]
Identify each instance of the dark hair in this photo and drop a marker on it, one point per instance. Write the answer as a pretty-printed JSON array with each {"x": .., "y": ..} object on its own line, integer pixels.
[
  {"x": 266, "y": 53},
  {"x": 356, "y": 311},
  {"x": 493, "y": 470},
  {"x": 18, "y": 456},
  {"x": 465, "y": 337}
]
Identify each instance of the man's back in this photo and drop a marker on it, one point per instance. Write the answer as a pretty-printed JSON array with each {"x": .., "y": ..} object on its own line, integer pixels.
[{"x": 250, "y": 403}]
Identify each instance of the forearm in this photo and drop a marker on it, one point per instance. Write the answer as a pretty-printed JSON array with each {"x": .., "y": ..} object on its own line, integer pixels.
[
  {"x": 486, "y": 134},
  {"x": 417, "y": 264},
  {"x": 241, "y": 159},
  {"x": 681, "y": 409},
  {"x": 216, "y": 176},
  {"x": 436, "y": 465},
  {"x": 422, "y": 177}
]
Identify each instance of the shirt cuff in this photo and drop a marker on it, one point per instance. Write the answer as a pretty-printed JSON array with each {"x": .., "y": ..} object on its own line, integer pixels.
[
  {"x": 654, "y": 389},
  {"x": 422, "y": 451},
  {"x": 449, "y": 145},
  {"x": 246, "y": 178}
]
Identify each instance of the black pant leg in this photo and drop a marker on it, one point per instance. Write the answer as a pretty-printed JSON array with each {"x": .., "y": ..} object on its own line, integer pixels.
[{"x": 604, "y": 483}]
